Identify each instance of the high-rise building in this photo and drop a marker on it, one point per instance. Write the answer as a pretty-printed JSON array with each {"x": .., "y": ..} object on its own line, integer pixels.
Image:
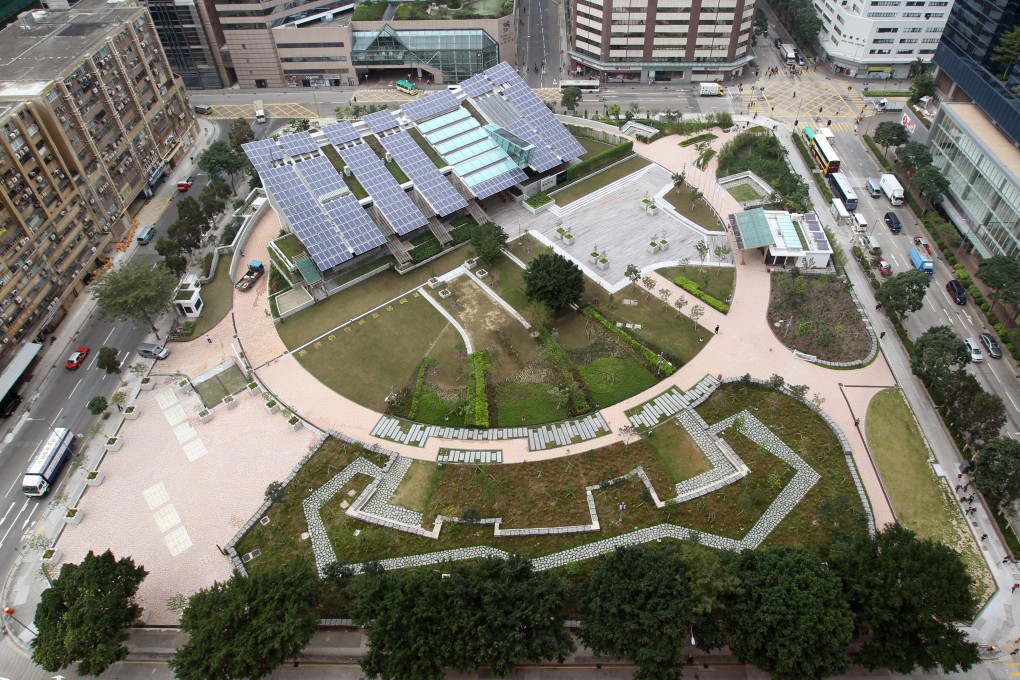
[
  {"x": 191, "y": 37},
  {"x": 880, "y": 38},
  {"x": 667, "y": 40},
  {"x": 91, "y": 116}
]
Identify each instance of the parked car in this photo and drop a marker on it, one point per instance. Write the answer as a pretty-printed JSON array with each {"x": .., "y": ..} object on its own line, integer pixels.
[
  {"x": 975, "y": 350},
  {"x": 77, "y": 358},
  {"x": 957, "y": 292},
  {"x": 883, "y": 266},
  {"x": 9, "y": 404},
  {"x": 921, "y": 243},
  {"x": 185, "y": 183},
  {"x": 991, "y": 345},
  {"x": 893, "y": 222}
]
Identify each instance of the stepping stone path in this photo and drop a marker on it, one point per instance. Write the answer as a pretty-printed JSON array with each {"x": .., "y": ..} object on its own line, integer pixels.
[
  {"x": 669, "y": 403},
  {"x": 563, "y": 433},
  {"x": 469, "y": 456}
]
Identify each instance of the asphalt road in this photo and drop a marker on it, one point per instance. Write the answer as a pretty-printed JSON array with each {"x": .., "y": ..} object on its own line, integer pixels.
[{"x": 540, "y": 36}]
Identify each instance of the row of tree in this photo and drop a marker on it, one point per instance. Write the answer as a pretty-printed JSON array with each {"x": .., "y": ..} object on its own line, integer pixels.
[
  {"x": 782, "y": 609},
  {"x": 916, "y": 159},
  {"x": 800, "y": 18}
]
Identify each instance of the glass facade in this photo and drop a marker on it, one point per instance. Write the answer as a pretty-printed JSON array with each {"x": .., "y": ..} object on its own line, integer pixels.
[
  {"x": 457, "y": 53},
  {"x": 183, "y": 38},
  {"x": 983, "y": 191}
]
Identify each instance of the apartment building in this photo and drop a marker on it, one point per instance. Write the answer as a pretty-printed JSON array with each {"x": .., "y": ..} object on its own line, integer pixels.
[
  {"x": 663, "y": 40},
  {"x": 91, "y": 116},
  {"x": 880, "y": 39}
]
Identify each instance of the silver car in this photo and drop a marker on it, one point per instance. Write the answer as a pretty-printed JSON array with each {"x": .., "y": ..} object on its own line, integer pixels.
[{"x": 991, "y": 345}]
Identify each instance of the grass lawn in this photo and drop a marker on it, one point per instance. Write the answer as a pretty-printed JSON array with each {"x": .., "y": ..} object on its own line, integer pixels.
[
  {"x": 394, "y": 169},
  {"x": 427, "y": 148},
  {"x": 744, "y": 192},
  {"x": 595, "y": 182},
  {"x": 592, "y": 147},
  {"x": 434, "y": 410},
  {"x": 509, "y": 283},
  {"x": 528, "y": 403},
  {"x": 696, "y": 211},
  {"x": 612, "y": 379},
  {"x": 338, "y": 163},
  {"x": 230, "y": 381},
  {"x": 716, "y": 281},
  {"x": 923, "y": 501},
  {"x": 417, "y": 487},
  {"x": 217, "y": 299},
  {"x": 677, "y": 452},
  {"x": 825, "y": 321},
  {"x": 291, "y": 246},
  {"x": 362, "y": 361}
]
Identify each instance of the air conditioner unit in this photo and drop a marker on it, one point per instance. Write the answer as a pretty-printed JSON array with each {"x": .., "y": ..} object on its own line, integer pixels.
[
  {"x": 20, "y": 300},
  {"x": 24, "y": 267},
  {"x": 28, "y": 263},
  {"x": 63, "y": 213},
  {"x": 24, "y": 241},
  {"x": 95, "y": 90},
  {"x": 53, "y": 237}
]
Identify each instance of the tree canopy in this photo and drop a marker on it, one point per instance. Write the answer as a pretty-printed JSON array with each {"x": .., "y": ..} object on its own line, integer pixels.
[
  {"x": 554, "y": 281},
  {"x": 913, "y": 155},
  {"x": 638, "y": 604},
  {"x": 937, "y": 352},
  {"x": 107, "y": 359},
  {"x": 904, "y": 292},
  {"x": 84, "y": 615},
  {"x": 1007, "y": 50},
  {"x": 923, "y": 85},
  {"x": 890, "y": 133},
  {"x": 247, "y": 627},
  {"x": 488, "y": 240},
  {"x": 240, "y": 133},
  {"x": 135, "y": 291},
  {"x": 570, "y": 97},
  {"x": 218, "y": 159},
  {"x": 1001, "y": 273},
  {"x": 907, "y": 594},
  {"x": 932, "y": 184},
  {"x": 998, "y": 471},
  {"x": 791, "y": 620},
  {"x": 801, "y": 18}
]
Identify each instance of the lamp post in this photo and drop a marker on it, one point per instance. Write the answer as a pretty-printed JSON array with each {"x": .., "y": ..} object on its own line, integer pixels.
[
  {"x": 9, "y": 611},
  {"x": 43, "y": 420}
]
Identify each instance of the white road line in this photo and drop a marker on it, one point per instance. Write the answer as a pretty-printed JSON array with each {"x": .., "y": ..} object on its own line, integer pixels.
[
  {"x": 6, "y": 533},
  {"x": 16, "y": 480},
  {"x": 4, "y": 518},
  {"x": 28, "y": 519},
  {"x": 75, "y": 387}
]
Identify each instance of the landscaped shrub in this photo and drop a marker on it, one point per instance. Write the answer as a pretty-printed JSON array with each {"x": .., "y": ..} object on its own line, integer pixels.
[
  {"x": 556, "y": 354},
  {"x": 426, "y": 363},
  {"x": 476, "y": 410},
  {"x": 707, "y": 137},
  {"x": 648, "y": 355},
  {"x": 819, "y": 179},
  {"x": 704, "y": 158},
  {"x": 878, "y": 153},
  {"x": 207, "y": 265},
  {"x": 425, "y": 250},
  {"x": 463, "y": 228},
  {"x": 538, "y": 200},
  {"x": 761, "y": 152},
  {"x": 598, "y": 161},
  {"x": 695, "y": 290},
  {"x": 369, "y": 11}
]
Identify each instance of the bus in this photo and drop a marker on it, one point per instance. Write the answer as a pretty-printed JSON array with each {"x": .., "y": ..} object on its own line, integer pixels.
[
  {"x": 822, "y": 152},
  {"x": 585, "y": 86},
  {"x": 842, "y": 190},
  {"x": 407, "y": 88}
]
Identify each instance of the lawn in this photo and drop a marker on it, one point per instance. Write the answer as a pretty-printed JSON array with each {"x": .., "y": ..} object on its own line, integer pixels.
[
  {"x": 528, "y": 403},
  {"x": 744, "y": 192},
  {"x": 923, "y": 502},
  {"x": 364, "y": 360},
  {"x": 591, "y": 147},
  {"x": 217, "y": 299},
  {"x": 816, "y": 315},
  {"x": 715, "y": 281},
  {"x": 394, "y": 169},
  {"x": 338, "y": 163},
  {"x": 677, "y": 452},
  {"x": 595, "y": 182},
  {"x": 612, "y": 379},
  {"x": 698, "y": 211},
  {"x": 291, "y": 246},
  {"x": 427, "y": 148},
  {"x": 418, "y": 485},
  {"x": 230, "y": 381}
]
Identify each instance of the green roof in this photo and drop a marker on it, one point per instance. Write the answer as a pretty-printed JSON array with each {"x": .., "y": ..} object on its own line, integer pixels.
[
  {"x": 309, "y": 272},
  {"x": 751, "y": 229}
]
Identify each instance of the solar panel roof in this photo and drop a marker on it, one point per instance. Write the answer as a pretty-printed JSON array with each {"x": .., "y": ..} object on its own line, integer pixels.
[
  {"x": 321, "y": 177},
  {"x": 430, "y": 105},
  {"x": 815, "y": 232},
  {"x": 393, "y": 203},
  {"x": 431, "y": 183},
  {"x": 298, "y": 143},
  {"x": 358, "y": 229},
  {"x": 541, "y": 119},
  {"x": 543, "y": 159},
  {"x": 262, "y": 153},
  {"x": 380, "y": 121},
  {"x": 501, "y": 72},
  {"x": 476, "y": 85},
  {"x": 496, "y": 184},
  {"x": 341, "y": 133},
  {"x": 305, "y": 217}
]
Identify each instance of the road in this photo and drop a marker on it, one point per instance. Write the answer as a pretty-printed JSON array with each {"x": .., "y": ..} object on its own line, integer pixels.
[{"x": 540, "y": 36}]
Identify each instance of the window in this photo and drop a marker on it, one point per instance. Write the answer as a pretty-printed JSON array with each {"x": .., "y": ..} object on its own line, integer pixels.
[
  {"x": 904, "y": 51},
  {"x": 285, "y": 46},
  {"x": 911, "y": 15},
  {"x": 878, "y": 51},
  {"x": 926, "y": 51},
  {"x": 935, "y": 15},
  {"x": 881, "y": 15},
  {"x": 888, "y": 30},
  {"x": 911, "y": 30},
  {"x": 933, "y": 29},
  {"x": 885, "y": 3},
  {"x": 929, "y": 41},
  {"x": 883, "y": 41},
  {"x": 908, "y": 41}
]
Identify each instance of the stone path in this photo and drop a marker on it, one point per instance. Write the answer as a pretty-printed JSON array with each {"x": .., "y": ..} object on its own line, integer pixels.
[
  {"x": 563, "y": 433},
  {"x": 469, "y": 456},
  {"x": 671, "y": 402}
]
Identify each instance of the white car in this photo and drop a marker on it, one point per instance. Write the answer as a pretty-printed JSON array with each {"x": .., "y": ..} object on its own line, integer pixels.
[{"x": 975, "y": 350}]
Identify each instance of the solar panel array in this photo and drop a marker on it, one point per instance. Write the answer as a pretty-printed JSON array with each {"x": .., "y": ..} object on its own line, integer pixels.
[
  {"x": 431, "y": 183},
  {"x": 358, "y": 229},
  {"x": 541, "y": 119},
  {"x": 321, "y": 177},
  {"x": 488, "y": 187},
  {"x": 341, "y": 133},
  {"x": 395, "y": 205},
  {"x": 543, "y": 159},
  {"x": 476, "y": 85},
  {"x": 431, "y": 105},
  {"x": 501, "y": 72},
  {"x": 262, "y": 153},
  {"x": 815, "y": 232},
  {"x": 381, "y": 121},
  {"x": 305, "y": 216},
  {"x": 298, "y": 143}
]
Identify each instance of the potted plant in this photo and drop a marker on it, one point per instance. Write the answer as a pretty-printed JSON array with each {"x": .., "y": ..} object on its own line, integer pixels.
[
  {"x": 72, "y": 516},
  {"x": 434, "y": 283},
  {"x": 131, "y": 412},
  {"x": 95, "y": 477},
  {"x": 229, "y": 401},
  {"x": 114, "y": 443},
  {"x": 147, "y": 384},
  {"x": 603, "y": 263},
  {"x": 560, "y": 233},
  {"x": 663, "y": 244},
  {"x": 594, "y": 256},
  {"x": 205, "y": 415},
  {"x": 653, "y": 247},
  {"x": 184, "y": 385},
  {"x": 295, "y": 423},
  {"x": 51, "y": 555},
  {"x": 568, "y": 238},
  {"x": 272, "y": 406},
  {"x": 253, "y": 388},
  {"x": 652, "y": 209}
]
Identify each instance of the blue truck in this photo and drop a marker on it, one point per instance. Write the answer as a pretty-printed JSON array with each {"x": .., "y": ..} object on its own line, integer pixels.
[{"x": 922, "y": 262}]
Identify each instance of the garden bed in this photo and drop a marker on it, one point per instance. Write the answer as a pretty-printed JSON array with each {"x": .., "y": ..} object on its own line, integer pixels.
[
  {"x": 718, "y": 282},
  {"x": 600, "y": 179},
  {"x": 698, "y": 211},
  {"x": 816, "y": 315}
]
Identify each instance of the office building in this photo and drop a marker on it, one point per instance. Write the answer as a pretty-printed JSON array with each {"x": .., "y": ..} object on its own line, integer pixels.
[
  {"x": 880, "y": 39},
  {"x": 668, "y": 40},
  {"x": 91, "y": 116},
  {"x": 191, "y": 38}
]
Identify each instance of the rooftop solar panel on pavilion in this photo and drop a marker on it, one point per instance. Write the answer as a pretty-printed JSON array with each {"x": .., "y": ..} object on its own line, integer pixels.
[
  {"x": 501, "y": 72},
  {"x": 262, "y": 153},
  {"x": 341, "y": 133},
  {"x": 543, "y": 159},
  {"x": 541, "y": 119},
  {"x": 476, "y": 85},
  {"x": 358, "y": 229},
  {"x": 395, "y": 205},
  {"x": 298, "y": 143},
  {"x": 431, "y": 105},
  {"x": 431, "y": 183},
  {"x": 815, "y": 232},
  {"x": 321, "y": 177},
  {"x": 381, "y": 121},
  {"x": 493, "y": 185},
  {"x": 305, "y": 217}
]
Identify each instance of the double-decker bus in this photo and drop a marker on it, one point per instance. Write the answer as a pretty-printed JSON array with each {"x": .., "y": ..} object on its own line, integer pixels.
[
  {"x": 843, "y": 191},
  {"x": 823, "y": 153},
  {"x": 407, "y": 88},
  {"x": 585, "y": 86}
]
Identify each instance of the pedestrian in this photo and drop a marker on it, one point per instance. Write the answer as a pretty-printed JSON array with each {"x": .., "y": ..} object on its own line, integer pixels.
[
  {"x": 959, "y": 475},
  {"x": 208, "y": 339},
  {"x": 970, "y": 498},
  {"x": 963, "y": 499},
  {"x": 717, "y": 330},
  {"x": 775, "y": 127},
  {"x": 819, "y": 109},
  {"x": 958, "y": 487},
  {"x": 1015, "y": 652},
  {"x": 837, "y": 112},
  {"x": 794, "y": 95},
  {"x": 828, "y": 123},
  {"x": 1015, "y": 586},
  {"x": 1005, "y": 559},
  {"x": 755, "y": 115},
  {"x": 878, "y": 306},
  {"x": 984, "y": 536},
  {"x": 266, "y": 311},
  {"x": 857, "y": 422},
  {"x": 881, "y": 335},
  {"x": 119, "y": 407}
]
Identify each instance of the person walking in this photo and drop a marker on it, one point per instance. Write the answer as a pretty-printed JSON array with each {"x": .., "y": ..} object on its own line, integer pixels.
[
  {"x": 717, "y": 330},
  {"x": 984, "y": 536},
  {"x": 882, "y": 335},
  {"x": 208, "y": 339}
]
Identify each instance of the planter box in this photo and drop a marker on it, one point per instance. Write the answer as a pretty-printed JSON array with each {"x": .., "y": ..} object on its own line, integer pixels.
[
  {"x": 97, "y": 480},
  {"x": 663, "y": 245},
  {"x": 481, "y": 273},
  {"x": 603, "y": 264},
  {"x": 254, "y": 390},
  {"x": 296, "y": 425},
  {"x": 184, "y": 386},
  {"x": 205, "y": 418},
  {"x": 230, "y": 402},
  {"x": 652, "y": 209},
  {"x": 54, "y": 556},
  {"x": 434, "y": 283},
  {"x": 75, "y": 519},
  {"x": 540, "y": 209},
  {"x": 593, "y": 257},
  {"x": 147, "y": 384},
  {"x": 653, "y": 247},
  {"x": 131, "y": 413},
  {"x": 274, "y": 408},
  {"x": 568, "y": 239},
  {"x": 471, "y": 264},
  {"x": 114, "y": 443}
]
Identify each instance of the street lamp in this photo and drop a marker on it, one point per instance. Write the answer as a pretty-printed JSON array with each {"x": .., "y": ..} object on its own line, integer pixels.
[
  {"x": 43, "y": 420},
  {"x": 9, "y": 611}
]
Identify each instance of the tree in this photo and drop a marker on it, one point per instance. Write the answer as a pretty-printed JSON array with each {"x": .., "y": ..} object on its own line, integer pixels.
[
  {"x": 134, "y": 291},
  {"x": 697, "y": 311},
  {"x": 85, "y": 613},
  {"x": 274, "y": 492},
  {"x": 218, "y": 159},
  {"x": 107, "y": 359},
  {"x": 1001, "y": 273},
  {"x": 240, "y": 133},
  {"x": 891, "y": 133},
  {"x": 932, "y": 184},
  {"x": 637, "y": 604},
  {"x": 980, "y": 418},
  {"x": 713, "y": 582},
  {"x": 904, "y": 292},
  {"x": 220, "y": 188},
  {"x": 632, "y": 273},
  {"x": 923, "y": 85},
  {"x": 908, "y": 595},
  {"x": 488, "y": 240},
  {"x": 937, "y": 352},
  {"x": 247, "y": 627},
  {"x": 680, "y": 303},
  {"x": 97, "y": 405},
  {"x": 189, "y": 212},
  {"x": 537, "y": 314},
  {"x": 613, "y": 111},
  {"x": 998, "y": 471},
  {"x": 679, "y": 179},
  {"x": 173, "y": 255},
  {"x": 212, "y": 205},
  {"x": 913, "y": 155},
  {"x": 570, "y": 97},
  {"x": 791, "y": 620},
  {"x": 665, "y": 294},
  {"x": 187, "y": 235},
  {"x": 554, "y": 281},
  {"x": 723, "y": 251},
  {"x": 649, "y": 283},
  {"x": 1007, "y": 51},
  {"x": 702, "y": 248}
]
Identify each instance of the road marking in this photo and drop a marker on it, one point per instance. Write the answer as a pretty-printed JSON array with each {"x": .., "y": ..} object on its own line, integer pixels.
[
  {"x": 12, "y": 523},
  {"x": 57, "y": 417},
  {"x": 28, "y": 519},
  {"x": 75, "y": 387},
  {"x": 4, "y": 518},
  {"x": 14, "y": 484}
]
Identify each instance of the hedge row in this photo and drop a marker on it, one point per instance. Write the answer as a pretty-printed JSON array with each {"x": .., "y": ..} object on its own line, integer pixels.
[
  {"x": 476, "y": 410},
  {"x": 554, "y": 351},
  {"x": 695, "y": 290},
  {"x": 598, "y": 161},
  {"x": 878, "y": 153},
  {"x": 538, "y": 200},
  {"x": 707, "y": 137},
  {"x": 649, "y": 356},
  {"x": 426, "y": 363}
]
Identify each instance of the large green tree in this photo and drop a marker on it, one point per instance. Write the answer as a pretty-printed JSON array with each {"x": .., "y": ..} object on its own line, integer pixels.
[
  {"x": 488, "y": 240},
  {"x": 1002, "y": 274},
  {"x": 247, "y": 627},
  {"x": 713, "y": 583},
  {"x": 219, "y": 159},
  {"x": 791, "y": 621},
  {"x": 84, "y": 615},
  {"x": 937, "y": 352},
  {"x": 998, "y": 471},
  {"x": 240, "y": 133},
  {"x": 932, "y": 184},
  {"x": 904, "y": 292},
  {"x": 570, "y": 97},
  {"x": 1007, "y": 51},
  {"x": 212, "y": 206},
  {"x": 637, "y": 604},
  {"x": 890, "y": 133},
  {"x": 913, "y": 156},
  {"x": 135, "y": 291},
  {"x": 923, "y": 85},
  {"x": 174, "y": 257},
  {"x": 908, "y": 596},
  {"x": 189, "y": 211},
  {"x": 554, "y": 281}
]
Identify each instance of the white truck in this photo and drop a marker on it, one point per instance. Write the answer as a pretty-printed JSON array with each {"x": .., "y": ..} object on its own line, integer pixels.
[
  {"x": 711, "y": 90},
  {"x": 892, "y": 189},
  {"x": 260, "y": 111}
]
